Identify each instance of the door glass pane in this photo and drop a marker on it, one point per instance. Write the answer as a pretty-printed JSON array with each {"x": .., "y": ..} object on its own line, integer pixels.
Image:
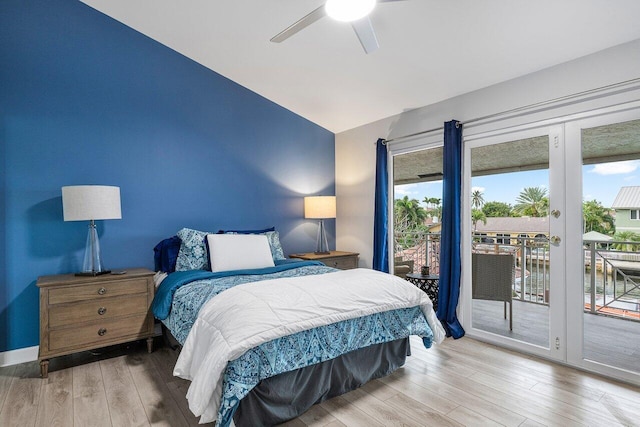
[
  {"x": 510, "y": 242},
  {"x": 417, "y": 180},
  {"x": 611, "y": 244}
]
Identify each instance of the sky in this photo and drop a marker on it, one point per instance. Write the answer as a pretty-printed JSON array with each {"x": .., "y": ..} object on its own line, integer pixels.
[{"x": 600, "y": 182}]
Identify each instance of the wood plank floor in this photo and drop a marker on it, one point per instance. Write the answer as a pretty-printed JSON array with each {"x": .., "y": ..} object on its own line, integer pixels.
[{"x": 459, "y": 383}]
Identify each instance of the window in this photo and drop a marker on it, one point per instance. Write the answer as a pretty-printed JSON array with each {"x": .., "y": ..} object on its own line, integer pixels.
[
  {"x": 504, "y": 239},
  {"x": 635, "y": 213}
]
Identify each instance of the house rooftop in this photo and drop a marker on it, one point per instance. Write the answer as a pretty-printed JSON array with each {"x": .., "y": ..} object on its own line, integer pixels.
[
  {"x": 627, "y": 198},
  {"x": 514, "y": 225}
]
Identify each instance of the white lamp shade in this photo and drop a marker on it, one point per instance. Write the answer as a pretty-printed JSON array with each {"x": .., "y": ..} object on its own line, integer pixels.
[
  {"x": 320, "y": 207},
  {"x": 87, "y": 202}
]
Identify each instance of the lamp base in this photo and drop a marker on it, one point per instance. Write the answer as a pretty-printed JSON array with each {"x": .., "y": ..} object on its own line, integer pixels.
[
  {"x": 322, "y": 247},
  {"x": 92, "y": 265},
  {"x": 93, "y": 273}
]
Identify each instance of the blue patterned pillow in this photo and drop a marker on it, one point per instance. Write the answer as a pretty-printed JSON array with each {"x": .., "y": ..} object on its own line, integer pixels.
[
  {"x": 274, "y": 243},
  {"x": 193, "y": 253}
]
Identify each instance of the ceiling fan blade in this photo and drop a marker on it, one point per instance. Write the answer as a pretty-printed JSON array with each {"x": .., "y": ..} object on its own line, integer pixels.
[
  {"x": 365, "y": 33},
  {"x": 300, "y": 25}
]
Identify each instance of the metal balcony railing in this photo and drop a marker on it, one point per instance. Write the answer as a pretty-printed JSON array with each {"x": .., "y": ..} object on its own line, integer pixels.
[
  {"x": 615, "y": 278},
  {"x": 612, "y": 282}
]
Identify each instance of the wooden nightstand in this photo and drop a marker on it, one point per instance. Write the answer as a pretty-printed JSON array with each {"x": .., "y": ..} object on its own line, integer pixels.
[
  {"x": 335, "y": 259},
  {"x": 83, "y": 313}
]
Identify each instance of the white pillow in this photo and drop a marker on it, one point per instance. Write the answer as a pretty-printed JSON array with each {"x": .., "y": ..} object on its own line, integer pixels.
[{"x": 238, "y": 251}]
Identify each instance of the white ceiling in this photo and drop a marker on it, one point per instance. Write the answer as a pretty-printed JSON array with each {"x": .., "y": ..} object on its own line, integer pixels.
[{"x": 430, "y": 50}]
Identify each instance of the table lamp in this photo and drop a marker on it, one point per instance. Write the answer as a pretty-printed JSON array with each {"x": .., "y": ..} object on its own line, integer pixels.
[
  {"x": 90, "y": 203},
  {"x": 320, "y": 207}
]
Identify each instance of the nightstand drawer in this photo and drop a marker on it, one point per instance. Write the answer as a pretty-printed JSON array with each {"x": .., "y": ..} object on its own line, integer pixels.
[
  {"x": 336, "y": 259},
  {"x": 99, "y": 332},
  {"x": 104, "y": 309},
  {"x": 343, "y": 263},
  {"x": 95, "y": 291}
]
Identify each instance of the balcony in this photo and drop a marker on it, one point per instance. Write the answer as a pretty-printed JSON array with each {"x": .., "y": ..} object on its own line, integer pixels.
[{"x": 611, "y": 306}]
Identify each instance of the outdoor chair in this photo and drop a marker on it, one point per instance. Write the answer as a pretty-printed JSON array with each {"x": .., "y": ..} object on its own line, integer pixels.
[
  {"x": 402, "y": 267},
  {"x": 492, "y": 278}
]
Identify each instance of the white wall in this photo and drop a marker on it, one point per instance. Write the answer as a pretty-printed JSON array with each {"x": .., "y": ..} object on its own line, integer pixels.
[{"x": 355, "y": 150}]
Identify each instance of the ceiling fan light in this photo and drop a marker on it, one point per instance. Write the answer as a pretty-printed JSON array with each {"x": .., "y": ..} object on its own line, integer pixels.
[{"x": 349, "y": 10}]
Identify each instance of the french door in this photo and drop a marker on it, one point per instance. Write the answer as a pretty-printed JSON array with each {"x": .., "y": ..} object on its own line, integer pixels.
[
  {"x": 513, "y": 257},
  {"x": 603, "y": 270},
  {"x": 551, "y": 265}
]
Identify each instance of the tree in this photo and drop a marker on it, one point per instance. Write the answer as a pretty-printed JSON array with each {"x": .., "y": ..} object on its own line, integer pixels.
[
  {"x": 624, "y": 237},
  {"x": 411, "y": 210},
  {"x": 408, "y": 223},
  {"x": 477, "y": 215},
  {"x": 432, "y": 202},
  {"x": 477, "y": 199},
  {"x": 497, "y": 209},
  {"x": 597, "y": 218},
  {"x": 532, "y": 201},
  {"x": 434, "y": 210}
]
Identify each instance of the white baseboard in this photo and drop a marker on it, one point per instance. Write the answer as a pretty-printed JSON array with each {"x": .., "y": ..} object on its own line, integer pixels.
[{"x": 21, "y": 355}]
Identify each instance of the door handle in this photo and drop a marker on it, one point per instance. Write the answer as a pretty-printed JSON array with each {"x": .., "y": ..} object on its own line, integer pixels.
[
  {"x": 555, "y": 213},
  {"x": 555, "y": 240}
]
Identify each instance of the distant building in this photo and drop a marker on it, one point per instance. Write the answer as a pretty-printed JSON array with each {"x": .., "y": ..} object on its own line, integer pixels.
[
  {"x": 627, "y": 207},
  {"x": 503, "y": 229}
]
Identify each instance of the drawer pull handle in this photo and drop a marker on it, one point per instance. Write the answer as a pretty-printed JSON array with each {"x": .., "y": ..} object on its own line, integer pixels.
[
  {"x": 102, "y": 291},
  {"x": 102, "y": 311},
  {"x": 102, "y": 332}
]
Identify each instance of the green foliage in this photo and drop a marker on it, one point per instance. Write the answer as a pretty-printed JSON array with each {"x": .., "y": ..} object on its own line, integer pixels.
[
  {"x": 433, "y": 209},
  {"x": 477, "y": 199},
  {"x": 624, "y": 237},
  {"x": 411, "y": 210},
  {"x": 532, "y": 201},
  {"x": 408, "y": 222},
  {"x": 477, "y": 215},
  {"x": 597, "y": 218},
  {"x": 497, "y": 209}
]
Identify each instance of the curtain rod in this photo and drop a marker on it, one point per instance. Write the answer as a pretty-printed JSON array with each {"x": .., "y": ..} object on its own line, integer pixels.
[{"x": 519, "y": 109}]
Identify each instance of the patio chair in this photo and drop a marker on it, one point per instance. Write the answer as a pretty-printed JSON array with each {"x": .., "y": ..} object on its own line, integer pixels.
[
  {"x": 492, "y": 278},
  {"x": 402, "y": 267}
]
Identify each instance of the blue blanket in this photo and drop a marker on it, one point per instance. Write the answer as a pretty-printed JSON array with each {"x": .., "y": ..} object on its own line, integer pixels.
[{"x": 161, "y": 306}]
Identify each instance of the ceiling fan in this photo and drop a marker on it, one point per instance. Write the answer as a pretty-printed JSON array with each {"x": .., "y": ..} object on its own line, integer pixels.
[{"x": 354, "y": 11}]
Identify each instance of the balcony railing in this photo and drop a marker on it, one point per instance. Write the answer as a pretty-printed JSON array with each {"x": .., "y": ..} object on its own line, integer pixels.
[
  {"x": 612, "y": 282},
  {"x": 615, "y": 278}
]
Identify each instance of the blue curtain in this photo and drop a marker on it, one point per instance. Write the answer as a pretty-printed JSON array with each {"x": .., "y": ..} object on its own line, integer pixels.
[
  {"x": 450, "y": 240},
  {"x": 381, "y": 214}
]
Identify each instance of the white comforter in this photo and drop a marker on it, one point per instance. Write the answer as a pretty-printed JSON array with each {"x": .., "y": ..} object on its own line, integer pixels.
[{"x": 248, "y": 315}]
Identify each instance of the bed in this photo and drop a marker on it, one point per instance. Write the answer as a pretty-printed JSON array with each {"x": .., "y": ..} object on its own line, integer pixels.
[{"x": 265, "y": 339}]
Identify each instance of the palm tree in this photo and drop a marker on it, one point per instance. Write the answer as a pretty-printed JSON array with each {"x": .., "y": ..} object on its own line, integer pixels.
[
  {"x": 477, "y": 199},
  {"x": 411, "y": 210},
  {"x": 532, "y": 201},
  {"x": 477, "y": 215},
  {"x": 434, "y": 210},
  {"x": 626, "y": 236}
]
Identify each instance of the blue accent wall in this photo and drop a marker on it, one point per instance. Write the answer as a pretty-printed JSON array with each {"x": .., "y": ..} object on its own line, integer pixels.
[{"x": 86, "y": 100}]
